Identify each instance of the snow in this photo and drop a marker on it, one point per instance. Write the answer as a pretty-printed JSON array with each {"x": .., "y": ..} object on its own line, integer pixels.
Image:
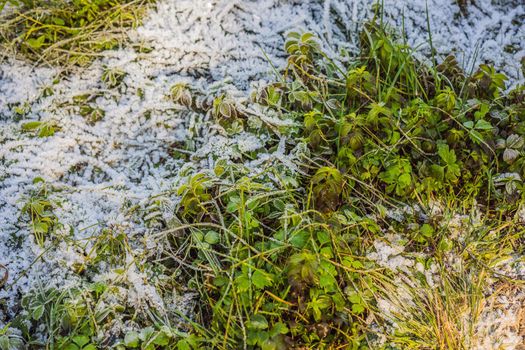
[
  {"x": 100, "y": 170},
  {"x": 389, "y": 255}
]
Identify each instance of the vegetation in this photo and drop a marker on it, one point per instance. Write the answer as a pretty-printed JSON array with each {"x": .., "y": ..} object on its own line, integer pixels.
[
  {"x": 39, "y": 210},
  {"x": 67, "y": 33},
  {"x": 282, "y": 259},
  {"x": 388, "y": 152}
]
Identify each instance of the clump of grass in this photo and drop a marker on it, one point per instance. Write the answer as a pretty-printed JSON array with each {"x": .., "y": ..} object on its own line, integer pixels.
[
  {"x": 66, "y": 33},
  {"x": 283, "y": 264}
]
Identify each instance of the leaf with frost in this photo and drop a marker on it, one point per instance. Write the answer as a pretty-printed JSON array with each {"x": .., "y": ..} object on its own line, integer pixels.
[
  {"x": 132, "y": 340},
  {"x": 31, "y": 125},
  {"x": 509, "y": 180},
  {"x": 257, "y": 322},
  {"x": 38, "y": 312},
  {"x": 212, "y": 237},
  {"x": 514, "y": 141},
  {"x": 509, "y": 155}
]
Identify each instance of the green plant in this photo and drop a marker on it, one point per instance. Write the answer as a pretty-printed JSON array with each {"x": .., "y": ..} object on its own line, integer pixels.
[
  {"x": 195, "y": 195},
  {"x": 92, "y": 114},
  {"x": 109, "y": 247},
  {"x": 68, "y": 316},
  {"x": 150, "y": 338},
  {"x": 180, "y": 93},
  {"x": 486, "y": 82},
  {"x": 450, "y": 171},
  {"x": 112, "y": 77},
  {"x": 41, "y": 128},
  {"x": 327, "y": 188},
  {"x": 9, "y": 339},
  {"x": 39, "y": 209},
  {"x": 280, "y": 266},
  {"x": 397, "y": 176},
  {"x": 67, "y": 33}
]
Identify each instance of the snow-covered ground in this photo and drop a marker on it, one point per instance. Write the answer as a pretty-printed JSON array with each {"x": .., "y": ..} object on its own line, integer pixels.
[{"x": 103, "y": 169}]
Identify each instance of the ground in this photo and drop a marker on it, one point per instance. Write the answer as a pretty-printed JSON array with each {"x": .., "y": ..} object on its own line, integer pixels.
[{"x": 103, "y": 172}]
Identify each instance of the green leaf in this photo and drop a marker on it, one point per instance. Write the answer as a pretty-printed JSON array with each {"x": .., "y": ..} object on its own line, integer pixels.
[
  {"x": 161, "y": 339},
  {"x": 476, "y": 136},
  {"x": 58, "y": 21},
  {"x": 327, "y": 281},
  {"x": 212, "y": 237},
  {"x": 445, "y": 245},
  {"x": 448, "y": 156},
  {"x": 468, "y": 124},
  {"x": 40, "y": 227},
  {"x": 453, "y": 172},
  {"x": 37, "y": 207},
  {"x": 31, "y": 125},
  {"x": 261, "y": 279},
  {"x": 4, "y": 342},
  {"x": 233, "y": 205},
  {"x": 220, "y": 281},
  {"x": 483, "y": 125},
  {"x": 81, "y": 340},
  {"x": 257, "y": 322},
  {"x": 437, "y": 172},
  {"x": 36, "y": 43},
  {"x": 243, "y": 283},
  {"x": 427, "y": 230},
  {"x": 183, "y": 345},
  {"x": 46, "y": 130},
  {"x": 279, "y": 328},
  {"x": 358, "y": 308},
  {"x": 71, "y": 346},
  {"x": 355, "y": 298},
  {"x": 404, "y": 180},
  {"x": 132, "y": 340},
  {"x": 306, "y": 36},
  {"x": 323, "y": 237},
  {"x": 299, "y": 239},
  {"x": 38, "y": 312},
  {"x": 38, "y": 179}
]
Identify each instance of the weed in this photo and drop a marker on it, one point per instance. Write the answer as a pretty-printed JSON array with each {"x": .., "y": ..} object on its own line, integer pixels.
[
  {"x": 113, "y": 77},
  {"x": 39, "y": 209}
]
